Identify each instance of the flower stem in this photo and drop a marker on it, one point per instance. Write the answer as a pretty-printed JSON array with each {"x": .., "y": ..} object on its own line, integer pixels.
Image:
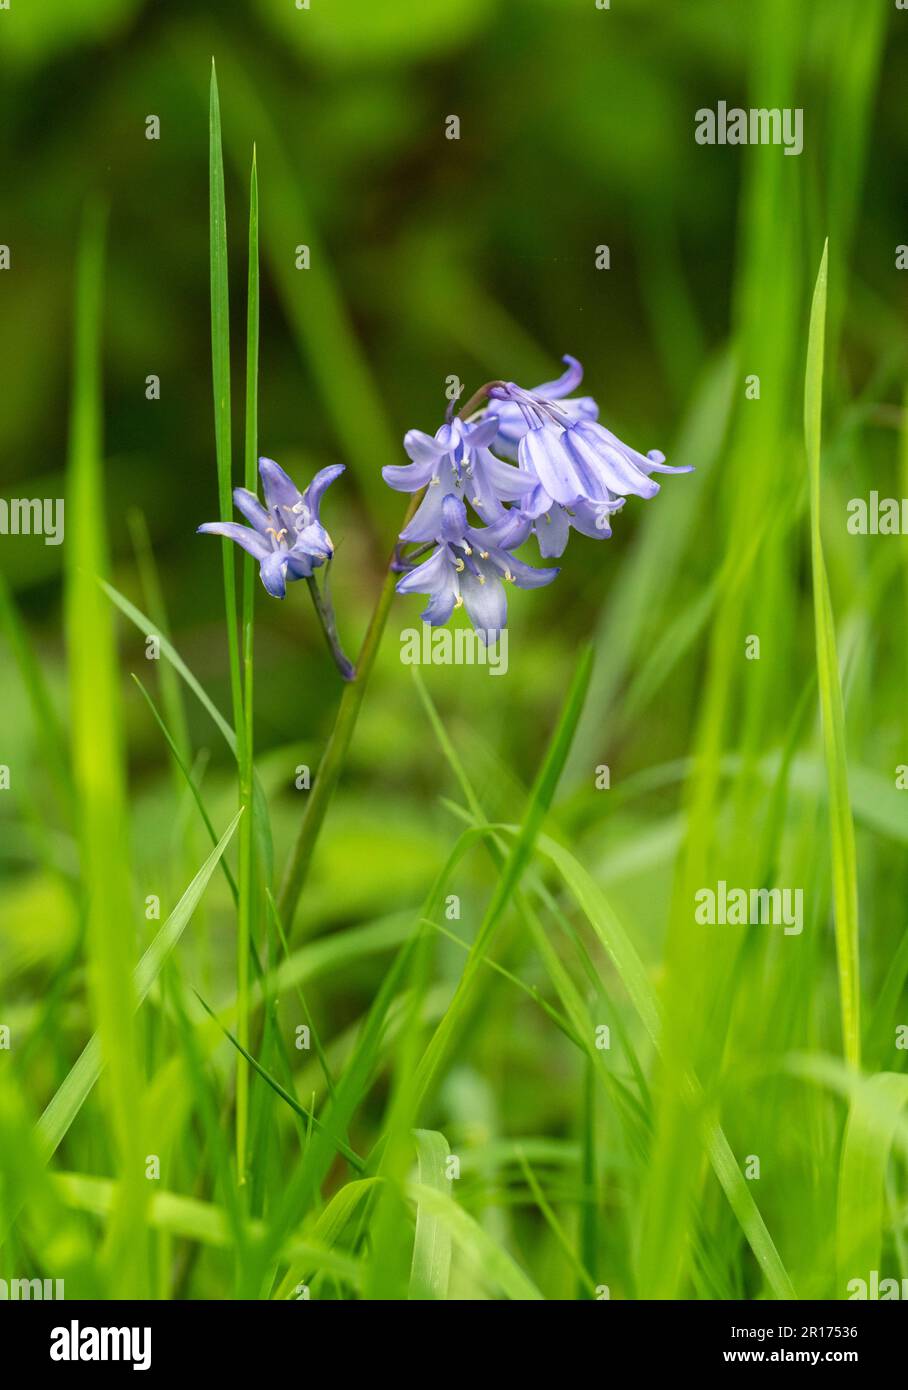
[
  {"x": 332, "y": 763},
  {"x": 325, "y": 610},
  {"x": 475, "y": 401}
]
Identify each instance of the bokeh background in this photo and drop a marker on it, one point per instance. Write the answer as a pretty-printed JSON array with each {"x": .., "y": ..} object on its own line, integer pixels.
[{"x": 477, "y": 257}]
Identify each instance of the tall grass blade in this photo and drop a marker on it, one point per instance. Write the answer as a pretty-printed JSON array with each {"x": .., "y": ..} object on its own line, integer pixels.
[
  {"x": 70, "y": 1097},
  {"x": 431, "y": 1268},
  {"x": 841, "y": 822},
  {"x": 220, "y": 370},
  {"x": 866, "y": 1149},
  {"x": 96, "y": 738},
  {"x": 247, "y": 903}
]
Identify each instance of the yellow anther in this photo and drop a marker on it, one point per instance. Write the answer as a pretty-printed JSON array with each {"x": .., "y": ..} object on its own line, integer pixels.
[
  {"x": 468, "y": 549},
  {"x": 276, "y": 534},
  {"x": 458, "y": 565},
  {"x": 458, "y": 602},
  {"x": 433, "y": 482},
  {"x": 483, "y": 555},
  {"x": 509, "y": 576},
  {"x": 482, "y": 579}
]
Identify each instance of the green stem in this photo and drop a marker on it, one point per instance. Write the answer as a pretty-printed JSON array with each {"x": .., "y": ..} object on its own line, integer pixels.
[
  {"x": 325, "y": 610},
  {"x": 477, "y": 399},
  {"x": 348, "y": 712},
  {"x": 336, "y": 752}
]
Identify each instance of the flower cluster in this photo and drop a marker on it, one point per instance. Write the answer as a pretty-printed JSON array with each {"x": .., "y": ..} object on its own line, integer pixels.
[
  {"x": 565, "y": 471},
  {"x": 285, "y": 536}
]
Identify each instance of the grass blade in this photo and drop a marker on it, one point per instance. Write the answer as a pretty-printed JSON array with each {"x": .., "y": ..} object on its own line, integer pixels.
[
  {"x": 497, "y": 1267},
  {"x": 220, "y": 370},
  {"x": 872, "y": 1122},
  {"x": 99, "y": 760},
  {"x": 71, "y": 1096},
  {"x": 519, "y": 856},
  {"x": 431, "y": 1268},
  {"x": 247, "y": 901},
  {"x": 841, "y": 822}
]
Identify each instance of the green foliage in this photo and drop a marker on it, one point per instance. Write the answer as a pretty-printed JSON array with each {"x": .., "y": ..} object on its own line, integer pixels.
[{"x": 464, "y": 1037}]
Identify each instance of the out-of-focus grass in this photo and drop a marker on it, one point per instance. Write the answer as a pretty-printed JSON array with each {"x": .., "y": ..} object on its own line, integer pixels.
[
  {"x": 454, "y": 970},
  {"x": 95, "y": 727}
]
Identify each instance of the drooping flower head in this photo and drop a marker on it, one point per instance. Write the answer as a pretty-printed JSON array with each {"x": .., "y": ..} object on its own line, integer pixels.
[
  {"x": 512, "y": 422},
  {"x": 583, "y": 471},
  {"x": 572, "y": 474},
  {"x": 286, "y": 535}
]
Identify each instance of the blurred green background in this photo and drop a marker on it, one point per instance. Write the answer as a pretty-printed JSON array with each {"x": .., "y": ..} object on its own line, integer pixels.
[{"x": 477, "y": 258}]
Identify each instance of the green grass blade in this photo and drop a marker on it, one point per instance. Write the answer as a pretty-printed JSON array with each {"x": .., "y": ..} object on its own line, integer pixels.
[
  {"x": 190, "y": 782},
  {"x": 153, "y": 598},
  {"x": 561, "y": 1238},
  {"x": 70, "y": 1097},
  {"x": 521, "y": 851},
  {"x": 343, "y": 1149},
  {"x": 329, "y": 1228},
  {"x": 146, "y": 626},
  {"x": 53, "y": 741},
  {"x": 841, "y": 822},
  {"x": 220, "y": 370},
  {"x": 866, "y": 1148},
  {"x": 99, "y": 760},
  {"x": 247, "y": 903},
  {"x": 431, "y": 1268},
  {"x": 494, "y": 1265},
  {"x": 632, "y": 972},
  {"x": 191, "y": 1219}
]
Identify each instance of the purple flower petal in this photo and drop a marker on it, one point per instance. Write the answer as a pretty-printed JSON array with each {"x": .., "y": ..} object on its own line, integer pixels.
[
  {"x": 552, "y": 531},
  {"x": 248, "y": 539},
  {"x": 280, "y": 489},
  {"x": 252, "y": 509},
  {"x": 486, "y": 603},
  {"x": 566, "y": 383},
  {"x": 542, "y": 453},
  {"x": 480, "y": 435},
  {"x": 315, "y": 491},
  {"x": 426, "y": 524},
  {"x": 422, "y": 448},
  {"x": 274, "y": 569},
  {"x": 536, "y": 503},
  {"x": 453, "y": 519},
  {"x": 410, "y": 477},
  {"x": 606, "y": 465},
  {"x": 502, "y": 480},
  {"x": 528, "y": 577}
]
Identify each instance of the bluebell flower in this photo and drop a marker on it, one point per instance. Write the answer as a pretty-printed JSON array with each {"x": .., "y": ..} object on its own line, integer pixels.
[
  {"x": 584, "y": 472},
  {"x": 552, "y": 524},
  {"x": 572, "y": 474},
  {"x": 512, "y": 420},
  {"x": 286, "y": 535},
  {"x": 458, "y": 463},
  {"x": 470, "y": 567}
]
